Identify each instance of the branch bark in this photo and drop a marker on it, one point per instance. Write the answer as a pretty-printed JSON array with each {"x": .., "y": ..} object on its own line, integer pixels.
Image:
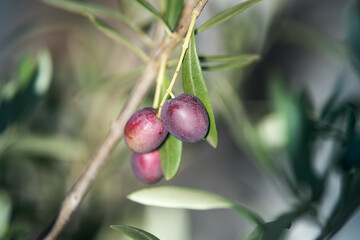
[{"x": 115, "y": 133}]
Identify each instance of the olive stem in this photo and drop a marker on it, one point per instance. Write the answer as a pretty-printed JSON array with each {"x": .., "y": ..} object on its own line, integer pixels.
[
  {"x": 185, "y": 46},
  {"x": 159, "y": 81}
]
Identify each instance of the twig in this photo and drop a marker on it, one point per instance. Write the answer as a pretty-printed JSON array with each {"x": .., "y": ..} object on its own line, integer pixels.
[
  {"x": 185, "y": 46},
  {"x": 115, "y": 133}
]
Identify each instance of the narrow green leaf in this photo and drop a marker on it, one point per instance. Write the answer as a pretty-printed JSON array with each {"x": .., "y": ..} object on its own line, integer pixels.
[
  {"x": 19, "y": 97},
  {"x": 5, "y": 211},
  {"x": 228, "y": 62},
  {"x": 153, "y": 11},
  {"x": 256, "y": 234},
  {"x": 346, "y": 206},
  {"x": 333, "y": 99},
  {"x": 230, "y": 58},
  {"x": 26, "y": 69},
  {"x": 99, "y": 11},
  {"x": 44, "y": 73},
  {"x": 225, "y": 15},
  {"x": 351, "y": 121},
  {"x": 353, "y": 32},
  {"x": 173, "y": 12},
  {"x": 134, "y": 233},
  {"x": 93, "y": 8},
  {"x": 179, "y": 197},
  {"x": 194, "y": 83},
  {"x": 247, "y": 214},
  {"x": 293, "y": 109},
  {"x": 170, "y": 152},
  {"x": 228, "y": 66},
  {"x": 189, "y": 198},
  {"x": 54, "y": 147},
  {"x": 117, "y": 36}
]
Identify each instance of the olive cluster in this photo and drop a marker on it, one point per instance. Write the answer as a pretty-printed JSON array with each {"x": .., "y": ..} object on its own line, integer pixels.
[{"x": 184, "y": 117}]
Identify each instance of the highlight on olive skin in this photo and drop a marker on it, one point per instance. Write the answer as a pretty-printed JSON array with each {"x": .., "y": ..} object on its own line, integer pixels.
[
  {"x": 144, "y": 131},
  {"x": 147, "y": 166},
  {"x": 186, "y": 118}
]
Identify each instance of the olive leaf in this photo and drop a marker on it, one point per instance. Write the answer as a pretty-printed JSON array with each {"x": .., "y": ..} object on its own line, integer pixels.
[
  {"x": 190, "y": 198},
  {"x": 19, "y": 97},
  {"x": 153, "y": 11},
  {"x": 100, "y": 11},
  {"x": 225, "y": 15},
  {"x": 256, "y": 234},
  {"x": 117, "y": 36},
  {"x": 173, "y": 12},
  {"x": 353, "y": 33},
  {"x": 5, "y": 212},
  {"x": 179, "y": 197},
  {"x": 293, "y": 110},
  {"x": 51, "y": 146},
  {"x": 134, "y": 233},
  {"x": 170, "y": 153},
  {"x": 227, "y": 61},
  {"x": 193, "y": 82}
]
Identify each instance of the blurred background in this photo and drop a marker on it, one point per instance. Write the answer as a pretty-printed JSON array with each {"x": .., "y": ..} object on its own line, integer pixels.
[{"x": 62, "y": 82}]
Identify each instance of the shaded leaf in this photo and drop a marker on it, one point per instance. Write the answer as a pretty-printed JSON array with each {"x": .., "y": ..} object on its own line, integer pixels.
[
  {"x": 225, "y": 15},
  {"x": 275, "y": 229},
  {"x": 170, "y": 152},
  {"x": 230, "y": 58},
  {"x": 54, "y": 147},
  {"x": 332, "y": 99},
  {"x": 348, "y": 202},
  {"x": 117, "y": 36},
  {"x": 19, "y": 96},
  {"x": 293, "y": 110},
  {"x": 173, "y": 12},
  {"x": 351, "y": 121},
  {"x": 26, "y": 70},
  {"x": 193, "y": 82},
  {"x": 228, "y": 62},
  {"x": 5, "y": 211},
  {"x": 153, "y": 11},
  {"x": 134, "y": 233},
  {"x": 256, "y": 234},
  {"x": 99, "y": 11},
  {"x": 350, "y": 158},
  {"x": 353, "y": 32}
]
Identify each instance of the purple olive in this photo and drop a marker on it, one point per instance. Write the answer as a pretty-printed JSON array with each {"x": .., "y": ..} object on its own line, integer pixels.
[
  {"x": 185, "y": 118},
  {"x": 144, "y": 131},
  {"x": 147, "y": 166}
]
